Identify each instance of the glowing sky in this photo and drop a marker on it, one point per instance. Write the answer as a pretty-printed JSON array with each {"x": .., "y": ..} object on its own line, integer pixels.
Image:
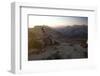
[{"x": 56, "y": 21}]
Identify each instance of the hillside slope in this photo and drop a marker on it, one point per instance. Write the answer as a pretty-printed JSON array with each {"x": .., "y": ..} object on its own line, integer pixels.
[{"x": 48, "y": 43}]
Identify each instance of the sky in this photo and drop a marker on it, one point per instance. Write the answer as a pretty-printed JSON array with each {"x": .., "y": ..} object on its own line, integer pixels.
[{"x": 56, "y": 21}]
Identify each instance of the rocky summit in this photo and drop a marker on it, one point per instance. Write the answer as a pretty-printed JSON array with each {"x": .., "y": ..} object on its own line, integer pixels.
[{"x": 46, "y": 43}]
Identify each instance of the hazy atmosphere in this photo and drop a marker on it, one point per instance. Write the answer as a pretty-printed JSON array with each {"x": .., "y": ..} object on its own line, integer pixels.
[
  {"x": 57, "y": 37},
  {"x": 54, "y": 21}
]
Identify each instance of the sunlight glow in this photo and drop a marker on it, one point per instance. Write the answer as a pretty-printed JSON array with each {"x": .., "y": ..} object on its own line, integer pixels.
[{"x": 56, "y": 21}]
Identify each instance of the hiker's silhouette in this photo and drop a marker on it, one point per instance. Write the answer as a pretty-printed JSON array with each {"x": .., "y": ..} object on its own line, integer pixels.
[{"x": 47, "y": 38}]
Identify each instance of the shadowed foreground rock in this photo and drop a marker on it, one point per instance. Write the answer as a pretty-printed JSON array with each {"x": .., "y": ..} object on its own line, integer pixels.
[{"x": 63, "y": 51}]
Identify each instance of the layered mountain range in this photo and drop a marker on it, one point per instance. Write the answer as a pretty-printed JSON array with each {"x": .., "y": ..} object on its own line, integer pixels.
[{"x": 75, "y": 31}]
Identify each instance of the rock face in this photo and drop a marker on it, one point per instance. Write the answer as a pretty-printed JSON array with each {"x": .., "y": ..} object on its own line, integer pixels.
[{"x": 45, "y": 43}]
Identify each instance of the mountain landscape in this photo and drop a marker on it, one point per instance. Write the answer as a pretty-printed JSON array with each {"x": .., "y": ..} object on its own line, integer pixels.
[{"x": 47, "y": 43}]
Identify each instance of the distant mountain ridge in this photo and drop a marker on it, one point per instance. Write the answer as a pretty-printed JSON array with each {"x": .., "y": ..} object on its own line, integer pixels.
[{"x": 75, "y": 31}]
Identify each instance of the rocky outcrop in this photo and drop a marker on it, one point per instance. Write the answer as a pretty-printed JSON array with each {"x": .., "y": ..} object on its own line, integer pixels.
[
  {"x": 61, "y": 52},
  {"x": 47, "y": 43}
]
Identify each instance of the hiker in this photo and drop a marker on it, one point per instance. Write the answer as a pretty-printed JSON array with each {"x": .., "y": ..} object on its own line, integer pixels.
[{"x": 47, "y": 39}]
